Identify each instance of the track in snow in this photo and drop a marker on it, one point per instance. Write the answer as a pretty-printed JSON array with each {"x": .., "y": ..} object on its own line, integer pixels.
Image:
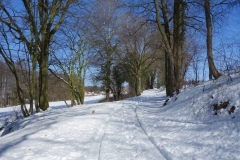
[
  {"x": 123, "y": 136},
  {"x": 151, "y": 139},
  {"x": 94, "y": 153}
]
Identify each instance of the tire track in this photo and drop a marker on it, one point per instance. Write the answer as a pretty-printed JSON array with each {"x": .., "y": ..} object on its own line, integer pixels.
[
  {"x": 95, "y": 149},
  {"x": 151, "y": 139}
]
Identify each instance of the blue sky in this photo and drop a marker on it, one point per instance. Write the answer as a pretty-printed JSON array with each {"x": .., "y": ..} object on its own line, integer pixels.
[{"x": 228, "y": 33}]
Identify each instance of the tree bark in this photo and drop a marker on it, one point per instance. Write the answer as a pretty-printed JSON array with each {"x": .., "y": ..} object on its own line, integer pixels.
[
  {"x": 212, "y": 69},
  {"x": 169, "y": 58},
  {"x": 43, "y": 85},
  {"x": 34, "y": 82},
  {"x": 168, "y": 77},
  {"x": 138, "y": 85},
  {"x": 178, "y": 38},
  {"x": 21, "y": 98},
  {"x": 107, "y": 76},
  {"x": 173, "y": 52}
]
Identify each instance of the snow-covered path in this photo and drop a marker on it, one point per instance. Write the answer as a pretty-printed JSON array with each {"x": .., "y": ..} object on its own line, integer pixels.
[
  {"x": 125, "y": 137},
  {"x": 113, "y": 131},
  {"x": 138, "y": 128}
]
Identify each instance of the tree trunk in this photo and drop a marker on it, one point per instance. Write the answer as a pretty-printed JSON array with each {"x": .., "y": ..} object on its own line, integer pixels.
[
  {"x": 138, "y": 85},
  {"x": 72, "y": 84},
  {"x": 20, "y": 95},
  {"x": 81, "y": 77},
  {"x": 108, "y": 74},
  {"x": 73, "y": 102},
  {"x": 119, "y": 94},
  {"x": 43, "y": 78},
  {"x": 81, "y": 90},
  {"x": 168, "y": 77},
  {"x": 212, "y": 69},
  {"x": 77, "y": 97},
  {"x": 31, "y": 105},
  {"x": 170, "y": 62},
  {"x": 34, "y": 85},
  {"x": 178, "y": 38},
  {"x": 153, "y": 76}
]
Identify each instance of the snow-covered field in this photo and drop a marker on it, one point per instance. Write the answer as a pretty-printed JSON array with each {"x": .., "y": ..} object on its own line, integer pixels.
[
  {"x": 139, "y": 128},
  {"x": 8, "y": 114}
]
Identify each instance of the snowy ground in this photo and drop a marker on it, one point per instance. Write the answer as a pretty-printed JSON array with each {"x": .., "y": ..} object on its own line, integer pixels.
[
  {"x": 9, "y": 113},
  {"x": 140, "y": 128}
]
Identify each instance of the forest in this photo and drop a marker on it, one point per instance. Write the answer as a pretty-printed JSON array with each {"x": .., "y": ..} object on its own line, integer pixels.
[{"x": 50, "y": 48}]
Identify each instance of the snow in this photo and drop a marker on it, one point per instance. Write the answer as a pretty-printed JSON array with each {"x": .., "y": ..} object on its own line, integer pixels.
[
  {"x": 8, "y": 114},
  {"x": 139, "y": 128}
]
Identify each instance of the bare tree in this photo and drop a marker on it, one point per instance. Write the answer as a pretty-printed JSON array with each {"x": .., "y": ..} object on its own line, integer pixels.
[
  {"x": 138, "y": 51},
  {"x": 73, "y": 63},
  {"x": 103, "y": 21},
  {"x": 48, "y": 16},
  {"x": 212, "y": 69},
  {"x": 173, "y": 51},
  {"x": 7, "y": 83},
  {"x": 7, "y": 55},
  {"x": 211, "y": 13}
]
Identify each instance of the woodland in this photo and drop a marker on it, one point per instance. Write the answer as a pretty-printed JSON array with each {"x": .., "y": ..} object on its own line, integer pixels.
[{"x": 50, "y": 48}]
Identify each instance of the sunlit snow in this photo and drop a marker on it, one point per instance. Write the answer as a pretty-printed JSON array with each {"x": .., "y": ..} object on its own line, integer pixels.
[{"x": 139, "y": 128}]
